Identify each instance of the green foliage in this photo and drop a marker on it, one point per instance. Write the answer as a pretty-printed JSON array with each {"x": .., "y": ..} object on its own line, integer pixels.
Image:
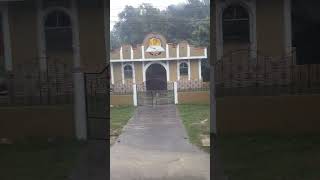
[{"x": 188, "y": 21}]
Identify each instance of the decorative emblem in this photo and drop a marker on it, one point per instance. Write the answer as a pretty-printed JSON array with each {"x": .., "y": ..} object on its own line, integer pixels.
[{"x": 154, "y": 46}]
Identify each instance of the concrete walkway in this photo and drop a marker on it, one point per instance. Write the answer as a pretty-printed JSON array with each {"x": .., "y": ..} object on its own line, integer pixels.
[{"x": 154, "y": 146}]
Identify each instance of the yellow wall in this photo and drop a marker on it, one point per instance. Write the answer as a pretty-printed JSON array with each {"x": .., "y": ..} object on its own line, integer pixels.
[
  {"x": 117, "y": 72},
  {"x": 270, "y": 28},
  {"x": 183, "y": 49},
  {"x": 197, "y": 97},
  {"x": 173, "y": 70},
  {"x": 40, "y": 121},
  {"x": 194, "y": 68},
  {"x": 92, "y": 42},
  {"x": 23, "y": 27},
  {"x": 273, "y": 114},
  {"x": 121, "y": 100},
  {"x": 138, "y": 71}
]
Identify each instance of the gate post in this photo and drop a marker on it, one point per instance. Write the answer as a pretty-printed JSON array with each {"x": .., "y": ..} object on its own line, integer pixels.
[
  {"x": 175, "y": 90},
  {"x": 80, "y": 106},
  {"x": 134, "y": 87}
]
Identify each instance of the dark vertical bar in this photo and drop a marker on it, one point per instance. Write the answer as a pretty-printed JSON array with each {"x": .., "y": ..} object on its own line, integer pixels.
[{"x": 86, "y": 101}]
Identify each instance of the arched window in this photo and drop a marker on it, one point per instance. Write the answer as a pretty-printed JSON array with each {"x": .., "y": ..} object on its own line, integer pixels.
[
  {"x": 58, "y": 31},
  {"x": 127, "y": 69},
  {"x": 235, "y": 24},
  {"x": 183, "y": 69}
]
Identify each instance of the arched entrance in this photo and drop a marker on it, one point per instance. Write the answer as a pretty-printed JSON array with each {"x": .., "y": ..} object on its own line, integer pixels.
[{"x": 156, "y": 77}]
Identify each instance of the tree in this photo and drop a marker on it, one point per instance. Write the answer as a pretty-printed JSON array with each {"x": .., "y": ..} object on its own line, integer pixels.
[{"x": 188, "y": 21}]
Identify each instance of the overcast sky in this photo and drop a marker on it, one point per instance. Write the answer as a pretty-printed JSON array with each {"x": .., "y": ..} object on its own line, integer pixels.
[{"x": 116, "y": 6}]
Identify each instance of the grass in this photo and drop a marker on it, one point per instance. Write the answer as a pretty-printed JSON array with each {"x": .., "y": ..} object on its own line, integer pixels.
[
  {"x": 264, "y": 157},
  {"x": 196, "y": 119},
  {"x": 119, "y": 116},
  {"x": 38, "y": 160}
]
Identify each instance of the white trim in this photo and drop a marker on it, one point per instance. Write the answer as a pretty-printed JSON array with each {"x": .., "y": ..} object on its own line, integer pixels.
[
  {"x": 131, "y": 52},
  {"x": 154, "y": 62},
  {"x": 168, "y": 71},
  {"x": 199, "y": 70},
  {"x": 287, "y": 26},
  {"x": 142, "y": 52},
  {"x": 178, "y": 51},
  {"x": 157, "y": 59},
  {"x": 111, "y": 73},
  {"x": 122, "y": 73},
  {"x": 167, "y": 51},
  {"x": 188, "y": 50},
  {"x": 250, "y": 6},
  {"x": 6, "y": 38},
  {"x": 121, "y": 53},
  {"x": 189, "y": 70}
]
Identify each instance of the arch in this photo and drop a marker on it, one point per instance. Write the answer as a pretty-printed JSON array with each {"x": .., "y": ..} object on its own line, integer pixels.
[
  {"x": 58, "y": 29},
  {"x": 178, "y": 68},
  {"x": 49, "y": 10},
  {"x": 156, "y": 77},
  {"x": 146, "y": 66},
  {"x": 183, "y": 69},
  {"x": 236, "y": 18},
  {"x": 251, "y": 9},
  {"x": 128, "y": 71}
]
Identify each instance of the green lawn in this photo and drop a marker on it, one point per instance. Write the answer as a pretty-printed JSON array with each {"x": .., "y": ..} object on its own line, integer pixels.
[
  {"x": 38, "y": 160},
  {"x": 119, "y": 117},
  {"x": 196, "y": 119},
  {"x": 270, "y": 157}
]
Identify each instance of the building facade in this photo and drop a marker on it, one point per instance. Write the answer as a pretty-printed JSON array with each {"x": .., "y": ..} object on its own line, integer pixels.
[{"x": 156, "y": 62}]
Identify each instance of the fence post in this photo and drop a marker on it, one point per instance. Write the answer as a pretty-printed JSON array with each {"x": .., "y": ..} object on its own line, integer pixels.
[
  {"x": 80, "y": 116},
  {"x": 134, "y": 87},
  {"x": 175, "y": 88}
]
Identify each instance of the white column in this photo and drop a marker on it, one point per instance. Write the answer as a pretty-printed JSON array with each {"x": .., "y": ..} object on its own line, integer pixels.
[
  {"x": 142, "y": 52},
  {"x": 178, "y": 51},
  {"x": 143, "y": 72},
  {"x": 122, "y": 73},
  {"x": 287, "y": 26},
  {"x": 131, "y": 52},
  {"x": 133, "y": 73},
  {"x": 205, "y": 52},
  {"x": 78, "y": 79},
  {"x": 175, "y": 87},
  {"x": 189, "y": 70},
  {"x": 188, "y": 50},
  {"x": 199, "y": 69},
  {"x": 121, "y": 54},
  {"x": 168, "y": 71},
  {"x": 167, "y": 51},
  {"x": 178, "y": 70},
  {"x": 80, "y": 106},
  {"x": 6, "y": 38},
  {"x": 134, "y": 88},
  {"x": 76, "y": 40},
  {"x": 111, "y": 73}
]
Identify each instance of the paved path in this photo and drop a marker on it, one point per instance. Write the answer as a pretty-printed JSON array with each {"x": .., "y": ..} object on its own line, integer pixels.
[{"x": 154, "y": 146}]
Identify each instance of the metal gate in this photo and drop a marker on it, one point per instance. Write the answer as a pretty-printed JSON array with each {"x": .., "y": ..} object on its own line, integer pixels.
[
  {"x": 149, "y": 96},
  {"x": 97, "y": 100}
]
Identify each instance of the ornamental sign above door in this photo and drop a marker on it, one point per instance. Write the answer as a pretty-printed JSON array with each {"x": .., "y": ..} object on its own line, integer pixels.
[{"x": 154, "y": 46}]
